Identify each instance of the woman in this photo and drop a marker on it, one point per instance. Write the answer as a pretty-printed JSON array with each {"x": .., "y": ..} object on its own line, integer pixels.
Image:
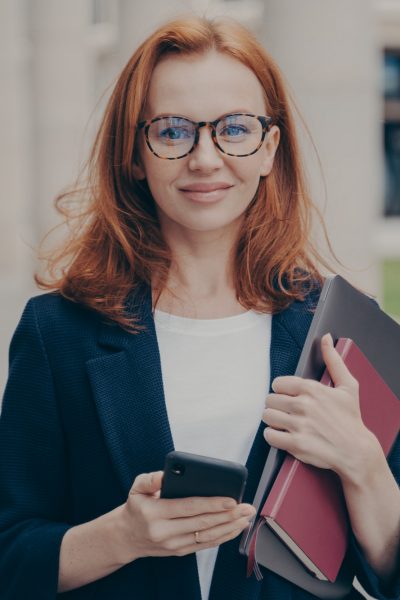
[{"x": 187, "y": 288}]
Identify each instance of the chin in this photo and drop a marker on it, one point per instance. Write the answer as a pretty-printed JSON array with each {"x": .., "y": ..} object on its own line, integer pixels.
[{"x": 210, "y": 225}]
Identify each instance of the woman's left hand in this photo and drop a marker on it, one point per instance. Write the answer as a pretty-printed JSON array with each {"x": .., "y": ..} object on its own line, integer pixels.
[{"x": 318, "y": 424}]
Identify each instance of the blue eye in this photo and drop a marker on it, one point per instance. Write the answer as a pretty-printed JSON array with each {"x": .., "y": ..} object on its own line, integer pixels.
[
  {"x": 234, "y": 130},
  {"x": 175, "y": 133}
]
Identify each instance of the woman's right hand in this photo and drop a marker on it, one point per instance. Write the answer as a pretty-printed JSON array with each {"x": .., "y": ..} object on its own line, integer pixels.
[{"x": 154, "y": 526}]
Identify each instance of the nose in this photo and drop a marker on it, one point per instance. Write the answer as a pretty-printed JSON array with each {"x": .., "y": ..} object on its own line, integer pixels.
[{"x": 206, "y": 156}]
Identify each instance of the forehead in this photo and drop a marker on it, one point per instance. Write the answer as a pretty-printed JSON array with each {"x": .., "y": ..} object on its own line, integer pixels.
[{"x": 203, "y": 87}]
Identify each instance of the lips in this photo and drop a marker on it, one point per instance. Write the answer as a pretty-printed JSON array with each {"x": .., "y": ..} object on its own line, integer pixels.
[
  {"x": 205, "y": 187},
  {"x": 206, "y": 194}
]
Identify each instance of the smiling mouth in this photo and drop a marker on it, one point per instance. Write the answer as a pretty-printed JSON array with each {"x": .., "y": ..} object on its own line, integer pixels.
[
  {"x": 206, "y": 192},
  {"x": 206, "y": 195}
]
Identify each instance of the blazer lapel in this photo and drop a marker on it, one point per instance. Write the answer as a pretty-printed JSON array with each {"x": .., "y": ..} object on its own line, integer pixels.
[
  {"x": 288, "y": 333},
  {"x": 128, "y": 391}
]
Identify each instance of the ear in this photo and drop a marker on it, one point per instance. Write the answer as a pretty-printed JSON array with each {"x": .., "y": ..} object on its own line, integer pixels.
[{"x": 270, "y": 147}]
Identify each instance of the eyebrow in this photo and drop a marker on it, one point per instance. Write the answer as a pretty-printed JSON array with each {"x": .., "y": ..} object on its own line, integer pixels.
[{"x": 225, "y": 114}]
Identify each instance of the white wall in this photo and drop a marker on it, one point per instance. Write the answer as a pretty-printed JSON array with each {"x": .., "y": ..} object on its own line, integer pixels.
[
  {"x": 330, "y": 56},
  {"x": 16, "y": 208}
]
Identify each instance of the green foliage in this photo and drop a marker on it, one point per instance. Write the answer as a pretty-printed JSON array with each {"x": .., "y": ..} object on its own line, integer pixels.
[{"x": 391, "y": 287}]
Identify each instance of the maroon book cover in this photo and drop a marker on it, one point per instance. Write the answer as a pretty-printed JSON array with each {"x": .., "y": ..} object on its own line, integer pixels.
[{"x": 305, "y": 506}]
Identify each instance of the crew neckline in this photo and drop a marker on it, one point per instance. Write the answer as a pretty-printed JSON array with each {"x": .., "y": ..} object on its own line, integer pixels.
[{"x": 215, "y": 326}]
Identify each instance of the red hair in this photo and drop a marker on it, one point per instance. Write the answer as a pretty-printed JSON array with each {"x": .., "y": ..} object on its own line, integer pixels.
[{"x": 116, "y": 243}]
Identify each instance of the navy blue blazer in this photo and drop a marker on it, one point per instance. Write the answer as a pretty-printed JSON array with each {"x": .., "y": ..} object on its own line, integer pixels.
[{"x": 83, "y": 415}]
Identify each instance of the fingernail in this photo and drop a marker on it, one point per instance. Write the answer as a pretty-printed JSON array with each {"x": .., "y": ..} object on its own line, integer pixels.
[{"x": 327, "y": 339}]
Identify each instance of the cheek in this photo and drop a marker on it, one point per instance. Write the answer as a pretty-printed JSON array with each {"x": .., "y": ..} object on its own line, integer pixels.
[
  {"x": 160, "y": 175},
  {"x": 249, "y": 170}
]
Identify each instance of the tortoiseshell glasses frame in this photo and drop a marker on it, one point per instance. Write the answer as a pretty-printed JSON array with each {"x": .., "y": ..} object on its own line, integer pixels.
[{"x": 265, "y": 122}]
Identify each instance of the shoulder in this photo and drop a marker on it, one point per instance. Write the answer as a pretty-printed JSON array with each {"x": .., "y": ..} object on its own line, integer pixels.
[
  {"x": 55, "y": 318},
  {"x": 52, "y": 309}
]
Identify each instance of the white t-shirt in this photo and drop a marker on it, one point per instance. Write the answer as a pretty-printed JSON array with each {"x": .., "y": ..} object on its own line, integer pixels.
[{"x": 216, "y": 375}]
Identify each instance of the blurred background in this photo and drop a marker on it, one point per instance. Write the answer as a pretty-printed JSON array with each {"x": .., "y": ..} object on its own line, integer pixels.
[{"x": 341, "y": 59}]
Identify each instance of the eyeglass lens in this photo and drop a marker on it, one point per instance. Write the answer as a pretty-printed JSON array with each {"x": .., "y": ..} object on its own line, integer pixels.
[{"x": 173, "y": 137}]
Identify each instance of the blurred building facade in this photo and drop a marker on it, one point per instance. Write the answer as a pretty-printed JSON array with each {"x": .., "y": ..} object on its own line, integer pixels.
[{"x": 58, "y": 62}]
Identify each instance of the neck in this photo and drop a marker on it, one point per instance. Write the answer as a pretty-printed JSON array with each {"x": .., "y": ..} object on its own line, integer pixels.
[{"x": 200, "y": 281}]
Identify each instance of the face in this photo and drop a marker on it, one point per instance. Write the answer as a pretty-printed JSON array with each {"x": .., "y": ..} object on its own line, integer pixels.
[{"x": 206, "y": 191}]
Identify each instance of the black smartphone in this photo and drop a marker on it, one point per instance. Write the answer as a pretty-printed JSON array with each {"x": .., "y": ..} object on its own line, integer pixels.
[{"x": 187, "y": 474}]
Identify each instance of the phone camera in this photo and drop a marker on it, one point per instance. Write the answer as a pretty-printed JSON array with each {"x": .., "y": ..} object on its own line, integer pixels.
[{"x": 178, "y": 469}]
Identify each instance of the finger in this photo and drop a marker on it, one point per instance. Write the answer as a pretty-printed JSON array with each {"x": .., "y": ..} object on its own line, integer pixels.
[
  {"x": 147, "y": 483},
  {"x": 196, "y": 547},
  {"x": 289, "y": 385},
  {"x": 203, "y": 522},
  {"x": 278, "y": 439},
  {"x": 197, "y": 505},
  {"x": 279, "y": 419},
  {"x": 217, "y": 542},
  {"x": 280, "y": 402},
  {"x": 338, "y": 371},
  {"x": 210, "y": 538}
]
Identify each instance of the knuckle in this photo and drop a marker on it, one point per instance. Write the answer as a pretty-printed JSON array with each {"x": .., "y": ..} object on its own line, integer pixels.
[
  {"x": 146, "y": 511},
  {"x": 244, "y": 521},
  {"x": 293, "y": 405},
  {"x": 171, "y": 545},
  {"x": 313, "y": 387},
  {"x": 299, "y": 443},
  {"x": 155, "y": 533},
  {"x": 303, "y": 405},
  {"x": 235, "y": 514},
  {"x": 354, "y": 383}
]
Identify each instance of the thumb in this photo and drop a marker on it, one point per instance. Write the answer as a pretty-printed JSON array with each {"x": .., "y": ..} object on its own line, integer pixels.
[
  {"x": 338, "y": 371},
  {"x": 147, "y": 483}
]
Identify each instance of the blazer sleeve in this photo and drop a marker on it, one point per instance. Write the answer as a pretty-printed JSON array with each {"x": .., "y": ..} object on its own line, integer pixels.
[
  {"x": 364, "y": 572},
  {"x": 33, "y": 471}
]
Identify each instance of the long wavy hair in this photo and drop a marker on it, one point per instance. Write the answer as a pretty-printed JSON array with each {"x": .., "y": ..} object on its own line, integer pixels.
[{"x": 116, "y": 244}]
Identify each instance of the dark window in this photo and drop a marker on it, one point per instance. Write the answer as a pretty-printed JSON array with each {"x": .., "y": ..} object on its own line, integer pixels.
[{"x": 392, "y": 132}]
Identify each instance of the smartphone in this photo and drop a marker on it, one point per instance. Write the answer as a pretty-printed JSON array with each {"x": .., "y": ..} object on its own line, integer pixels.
[{"x": 187, "y": 475}]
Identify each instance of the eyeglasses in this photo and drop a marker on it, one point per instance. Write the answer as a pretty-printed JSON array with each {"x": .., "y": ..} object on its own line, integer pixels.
[{"x": 237, "y": 134}]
